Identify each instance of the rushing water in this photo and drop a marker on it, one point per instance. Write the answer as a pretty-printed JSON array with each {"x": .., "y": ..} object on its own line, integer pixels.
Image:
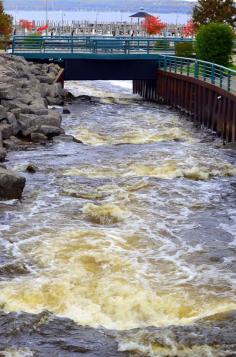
[{"x": 135, "y": 227}]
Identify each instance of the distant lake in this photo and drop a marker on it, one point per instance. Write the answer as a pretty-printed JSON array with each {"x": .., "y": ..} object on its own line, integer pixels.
[{"x": 109, "y": 16}]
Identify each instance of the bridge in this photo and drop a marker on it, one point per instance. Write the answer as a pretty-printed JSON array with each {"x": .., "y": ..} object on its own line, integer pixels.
[
  {"x": 98, "y": 57},
  {"x": 204, "y": 91}
]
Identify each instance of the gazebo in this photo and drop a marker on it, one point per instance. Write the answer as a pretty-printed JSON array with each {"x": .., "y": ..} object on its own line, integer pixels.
[{"x": 141, "y": 14}]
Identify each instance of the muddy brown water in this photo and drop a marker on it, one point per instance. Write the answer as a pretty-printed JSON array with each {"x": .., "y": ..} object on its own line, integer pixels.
[{"x": 134, "y": 227}]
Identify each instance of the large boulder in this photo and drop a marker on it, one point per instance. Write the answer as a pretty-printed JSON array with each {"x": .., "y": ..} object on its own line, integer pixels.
[
  {"x": 11, "y": 185},
  {"x": 38, "y": 137},
  {"x": 3, "y": 112},
  {"x": 50, "y": 131},
  {"x": 2, "y": 150},
  {"x": 11, "y": 120},
  {"x": 6, "y": 130},
  {"x": 31, "y": 120},
  {"x": 8, "y": 91},
  {"x": 46, "y": 79},
  {"x": 55, "y": 100}
]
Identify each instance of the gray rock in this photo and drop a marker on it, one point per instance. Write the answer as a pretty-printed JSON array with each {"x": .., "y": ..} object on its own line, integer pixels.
[
  {"x": 47, "y": 335},
  {"x": 3, "y": 154},
  {"x": 11, "y": 185},
  {"x": 50, "y": 131},
  {"x": 55, "y": 90},
  {"x": 63, "y": 137},
  {"x": 31, "y": 168},
  {"x": 29, "y": 120},
  {"x": 3, "y": 112},
  {"x": 11, "y": 119},
  {"x": 7, "y": 91},
  {"x": 16, "y": 112},
  {"x": 13, "y": 104},
  {"x": 37, "y": 111},
  {"x": 32, "y": 129},
  {"x": 45, "y": 90},
  {"x": 11, "y": 143},
  {"x": 66, "y": 110},
  {"x": 2, "y": 150},
  {"x": 55, "y": 100},
  {"x": 39, "y": 103},
  {"x": 45, "y": 79},
  {"x": 6, "y": 130},
  {"x": 38, "y": 137}
]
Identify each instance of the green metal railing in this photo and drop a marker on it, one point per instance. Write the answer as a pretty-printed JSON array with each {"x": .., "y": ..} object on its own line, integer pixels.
[
  {"x": 217, "y": 75},
  {"x": 94, "y": 44}
]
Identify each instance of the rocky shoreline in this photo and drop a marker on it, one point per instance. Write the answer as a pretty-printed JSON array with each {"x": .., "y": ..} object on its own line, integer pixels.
[
  {"x": 44, "y": 334},
  {"x": 27, "y": 90}
]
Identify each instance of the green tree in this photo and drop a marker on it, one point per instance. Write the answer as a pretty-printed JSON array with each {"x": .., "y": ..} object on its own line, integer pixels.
[
  {"x": 207, "y": 11},
  {"x": 214, "y": 43},
  {"x": 5, "y": 22}
]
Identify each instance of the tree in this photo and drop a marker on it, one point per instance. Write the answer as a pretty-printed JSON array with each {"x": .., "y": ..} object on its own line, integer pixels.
[
  {"x": 207, "y": 11},
  {"x": 153, "y": 25},
  {"x": 5, "y": 22},
  {"x": 189, "y": 29},
  {"x": 214, "y": 43}
]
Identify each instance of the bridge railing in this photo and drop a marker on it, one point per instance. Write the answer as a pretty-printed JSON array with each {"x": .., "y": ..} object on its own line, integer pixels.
[
  {"x": 94, "y": 44},
  {"x": 217, "y": 75}
]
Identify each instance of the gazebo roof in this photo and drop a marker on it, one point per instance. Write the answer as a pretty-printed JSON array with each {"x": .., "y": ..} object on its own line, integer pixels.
[{"x": 141, "y": 14}]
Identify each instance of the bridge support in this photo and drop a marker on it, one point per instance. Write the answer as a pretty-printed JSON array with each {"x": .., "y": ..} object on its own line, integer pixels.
[{"x": 205, "y": 103}]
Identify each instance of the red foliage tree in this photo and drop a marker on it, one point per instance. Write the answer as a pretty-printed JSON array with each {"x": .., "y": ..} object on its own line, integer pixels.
[
  {"x": 189, "y": 29},
  {"x": 28, "y": 25},
  {"x": 153, "y": 25}
]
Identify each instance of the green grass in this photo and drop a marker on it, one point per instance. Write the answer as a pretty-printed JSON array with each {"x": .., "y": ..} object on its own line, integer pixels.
[{"x": 232, "y": 66}]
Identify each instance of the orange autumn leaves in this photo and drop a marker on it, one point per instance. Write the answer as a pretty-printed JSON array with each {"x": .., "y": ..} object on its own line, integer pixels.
[{"x": 153, "y": 25}]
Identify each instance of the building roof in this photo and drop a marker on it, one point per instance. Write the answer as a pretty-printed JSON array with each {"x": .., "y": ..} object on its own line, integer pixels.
[{"x": 141, "y": 14}]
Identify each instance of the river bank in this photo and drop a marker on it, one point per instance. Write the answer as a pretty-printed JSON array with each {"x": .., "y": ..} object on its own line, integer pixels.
[{"x": 27, "y": 91}]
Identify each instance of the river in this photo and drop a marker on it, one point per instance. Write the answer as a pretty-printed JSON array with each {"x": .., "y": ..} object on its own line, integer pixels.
[{"x": 133, "y": 227}]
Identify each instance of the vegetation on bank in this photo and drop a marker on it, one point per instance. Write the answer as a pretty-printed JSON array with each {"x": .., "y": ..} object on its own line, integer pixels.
[
  {"x": 5, "y": 23},
  {"x": 208, "y": 11},
  {"x": 214, "y": 43}
]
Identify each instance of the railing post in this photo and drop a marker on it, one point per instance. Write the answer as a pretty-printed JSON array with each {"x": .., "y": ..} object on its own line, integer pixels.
[
  {"x": 148, "y": 49},
  {"x": 126, "y": 46},
  {"x": 188, "y": 68},
  {"x": 229, "y": 81},
  {"x": 165, "y": 63},
  {"x": 181, "y": 67},
  {"x": 13, "y": 45},
  {"x": 212, "y": 74},
  {"x": 221, "y": 78},
  {"x": 176, "y": 65},
  {"x": 204, "y": 71},
  {"x": 196, "y": 69},
  {"x": 72, "y": 45}
]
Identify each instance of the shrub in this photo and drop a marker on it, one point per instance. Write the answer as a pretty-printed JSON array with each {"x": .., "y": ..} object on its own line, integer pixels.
[
  {"x": 162, "y": 45},
  {"x": 184, "y": 49},
  {"x": 33, "y": 40},
  {"x": 214, "y": 43}
]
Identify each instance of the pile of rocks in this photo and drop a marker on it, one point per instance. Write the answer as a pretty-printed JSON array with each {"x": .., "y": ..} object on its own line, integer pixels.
[{"x": 26, "y": 91}]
